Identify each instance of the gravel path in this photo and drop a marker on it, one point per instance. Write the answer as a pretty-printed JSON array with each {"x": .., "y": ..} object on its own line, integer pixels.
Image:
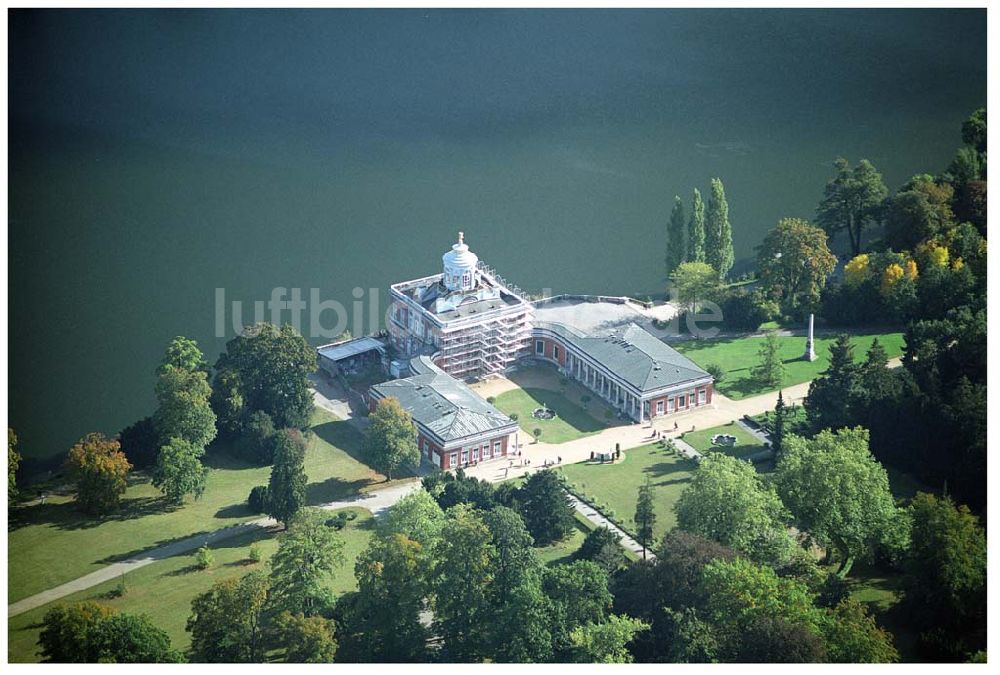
[
  {"x": 376, "y": 502},
  {"x": 598, "y": 519}
]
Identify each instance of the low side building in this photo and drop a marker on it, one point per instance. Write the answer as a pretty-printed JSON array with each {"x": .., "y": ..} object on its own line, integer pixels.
[
  {"x": 638, "y": 374},
  {"x": 351, "y": 356},
  {"x": 455, "y": 426}
]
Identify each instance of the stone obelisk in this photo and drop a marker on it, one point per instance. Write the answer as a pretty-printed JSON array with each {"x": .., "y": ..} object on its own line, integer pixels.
[{"x": 810, "y": 354}]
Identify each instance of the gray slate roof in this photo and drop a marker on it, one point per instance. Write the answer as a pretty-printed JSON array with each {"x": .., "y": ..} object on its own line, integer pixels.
[
  {"x": 445, "y": 406},
  {"x": 633, "y": 354},
  {"x": 343, "y": 350}
]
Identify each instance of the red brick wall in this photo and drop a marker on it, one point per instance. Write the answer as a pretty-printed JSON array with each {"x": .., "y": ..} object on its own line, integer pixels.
[
  {"x": 549, "y": 352},
  {"x": 446, "y": 454},
  {"x": 690, "y": 400}
]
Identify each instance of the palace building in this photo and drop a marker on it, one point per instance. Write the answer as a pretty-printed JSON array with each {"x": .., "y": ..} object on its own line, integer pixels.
[
  {"x": 467, "y": 323},
  {"x": 467, "y": 317}
]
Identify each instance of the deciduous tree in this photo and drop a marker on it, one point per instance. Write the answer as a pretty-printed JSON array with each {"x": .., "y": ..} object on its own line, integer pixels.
[
  {"x": 267, "y": 368},
  {"x": 390, "y": 441},
  {"x": 464, "y": 562},
  {"x": 794, "y": 263},
  {"x": 851, "y": 201},
  {"x": 676, "y": 248},
  {"x": 306, "y": 639},
  {"x": 718, "y": 231},
  {"x": 693, "y": 283},
  {"x": 184, "y": 410},
  {"x": 179, "y": 470},
  {"x": 696, "y": 229},
  {"x": 381, "y": 622},
  {"x": 98, "y": 467},
  {"x": 946, "y": 578},
  {"x": 91, "y": 633},
  {"x": 183, "y": 353},
  {"x": 308, "y": 552},
  {"x": 837, "y": 491},
  {"x": 227, "y": 622},
  {"x": 606, "y": 642},
  {"x": 727, "y": 502}
]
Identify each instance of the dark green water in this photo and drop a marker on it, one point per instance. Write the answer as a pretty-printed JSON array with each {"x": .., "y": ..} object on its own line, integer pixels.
[{"x": 155, "y": 157}]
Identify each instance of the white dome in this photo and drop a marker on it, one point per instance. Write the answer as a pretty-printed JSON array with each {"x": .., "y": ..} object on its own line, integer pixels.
[{"x": 460, "y": 266}]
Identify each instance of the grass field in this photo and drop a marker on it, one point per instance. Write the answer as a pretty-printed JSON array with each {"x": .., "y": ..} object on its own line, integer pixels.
[
  {"x": 571, "y": 420},
  {"x": 53, "y": 543},
  {"x": 736, "y": 356},
  {"x": 617, "y": 485},
  {"x": 164, "y": 589},
  {"x": 746, "y": 443}
]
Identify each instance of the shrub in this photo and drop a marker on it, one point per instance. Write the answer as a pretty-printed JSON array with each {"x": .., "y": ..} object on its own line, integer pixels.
[
  {"x": 514, "y": 416},
  {"x": 204, "y": 558},
  {"x": 257, "y": 500},
  {"x": 254, "y": 555},
  {"x": 491, "y": 399},
  {"x": 716, "y": 371}
]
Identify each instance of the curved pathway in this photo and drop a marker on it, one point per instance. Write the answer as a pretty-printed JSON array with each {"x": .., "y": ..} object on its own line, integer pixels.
[{"x": 376, "y": 502}]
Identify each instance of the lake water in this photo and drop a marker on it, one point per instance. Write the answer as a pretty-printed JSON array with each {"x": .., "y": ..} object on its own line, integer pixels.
[{"x": 158, "y": 156}]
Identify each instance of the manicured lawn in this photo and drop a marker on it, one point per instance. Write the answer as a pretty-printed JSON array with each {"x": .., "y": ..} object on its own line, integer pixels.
[
  {"x": 736, "y": 356},
  {"x": 164, "y": 589},
  {"x": 746, "y": 443},
  {"x": 882, "y": 592},
  {"x": 562, "y": 551},
  {"x": 571, "y": 420},
  {"x": 53, "y": 543},
  {"x": 617, "y": 485}
]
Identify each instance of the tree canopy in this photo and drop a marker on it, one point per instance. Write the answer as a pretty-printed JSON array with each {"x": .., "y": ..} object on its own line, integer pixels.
[
  {"x": 851, "y": 201},
  {"x": 726, "y": 501},
  {"x": 286, "y": 491},
  {"x": 98, "y": 467},
  {"x": 837, "y": 491},
  {"x": 718, "y": 231},
  {"x": 390, "y": 441},
  {"x": 794, "y": 263}
]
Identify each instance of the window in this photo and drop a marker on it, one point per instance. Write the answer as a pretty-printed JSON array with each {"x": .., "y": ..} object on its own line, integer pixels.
[
  {"x": 555, "y": 352},
  {"x": 670, "y": 405},
  {"x": 702, "y": 397},
  {"x": 681, "y": 401},
  {"x": 475, "y": 454},
  {"x": 486, "y": 451},
  {"x": 453, "y": 460},
  {"x": 465, "y": 457},
  {"x": 659, "y": 407},
  {"x": 496, "y": 448},
  {"x": 539, "y": 347}
]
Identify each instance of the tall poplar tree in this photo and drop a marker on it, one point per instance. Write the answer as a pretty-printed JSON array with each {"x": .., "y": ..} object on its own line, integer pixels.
[
  {"x": 718, "y": 232},
  {"x": 645, "y": 515},
  {"x": 696, "y": 230},
  {"x": 676, "y": 249}
]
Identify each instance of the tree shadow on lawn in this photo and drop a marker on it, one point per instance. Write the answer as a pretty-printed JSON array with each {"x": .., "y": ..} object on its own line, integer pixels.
[
  {"x": 345, "y": 436},
  {"x": 334, "y": 489},
  {"x": 68, "y": 516},
  {"x": 694, "y": 345},
  {"x": 666, "y": 468},
  {"x": 239, "y": 510}
]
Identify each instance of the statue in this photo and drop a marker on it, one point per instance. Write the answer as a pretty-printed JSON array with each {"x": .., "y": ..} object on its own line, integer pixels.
[{"x": 810, "y": 354}]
